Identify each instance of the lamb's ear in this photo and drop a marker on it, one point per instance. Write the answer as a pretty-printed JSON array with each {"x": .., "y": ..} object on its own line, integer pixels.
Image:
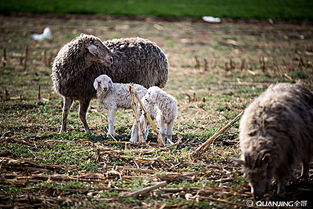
[
  {"x": 95, "y": 84},
  {"x": 110, "y": 84},
  {"x": 93, "y": 49}
]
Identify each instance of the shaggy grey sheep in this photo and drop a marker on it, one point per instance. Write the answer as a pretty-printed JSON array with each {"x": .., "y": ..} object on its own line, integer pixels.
[
  {"x": 276, "y": 134},
  {"x": 162, "y": 107},
  {"x": 78, "y": 63},
  {"x": 112, "y": 96}
]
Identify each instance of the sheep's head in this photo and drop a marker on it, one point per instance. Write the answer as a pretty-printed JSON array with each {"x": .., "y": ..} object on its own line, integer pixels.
[
  {"x": 152, "y": 94},
  {"x": 103, "y": 83},
  {"x": 257, "y": 168},
  {"x": 100, "y": 53}
]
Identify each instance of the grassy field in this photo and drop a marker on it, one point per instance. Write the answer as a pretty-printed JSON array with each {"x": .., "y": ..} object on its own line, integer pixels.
[
  {"x": 278, "y": 9},
  {"x": 41, "y": 168}
]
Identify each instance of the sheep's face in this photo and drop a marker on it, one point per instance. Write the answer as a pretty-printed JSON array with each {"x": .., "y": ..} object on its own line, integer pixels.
[
  {"x": 100, "y": 53},
  {"x": 151, "y": 97},
  {"x": 103, "y": 83},
  {"x": 152, "y": 94},
  {"x": 258, "y": 172}
]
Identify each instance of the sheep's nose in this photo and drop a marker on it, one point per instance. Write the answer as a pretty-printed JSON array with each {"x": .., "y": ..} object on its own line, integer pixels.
[{"x": 111, "y": 60}]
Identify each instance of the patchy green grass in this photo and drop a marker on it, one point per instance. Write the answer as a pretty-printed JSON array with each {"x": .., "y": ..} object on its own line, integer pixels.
[
  {"x": 42, "y": 168},
  {"x": 279, "y": 9}
]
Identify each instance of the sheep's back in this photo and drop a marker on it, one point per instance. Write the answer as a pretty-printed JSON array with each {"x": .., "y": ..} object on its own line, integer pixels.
[
  {"x": 139, "y": 61},
  {"x": 136, "y": 60}
]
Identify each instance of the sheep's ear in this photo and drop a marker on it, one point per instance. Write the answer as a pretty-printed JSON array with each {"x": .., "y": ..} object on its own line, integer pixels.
[
  {"x": 110, "y": 84},
  {"x": 93, "y": 49},
  {"x": 95, "y": 84},
  {"x": 239, "y": 161},
  {"x": 266, "y": 159}
]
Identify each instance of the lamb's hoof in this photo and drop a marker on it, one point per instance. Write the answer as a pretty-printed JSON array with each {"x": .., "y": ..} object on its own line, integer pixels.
[
  {"x": 62, "y": 131},
  {"x": 87, "y": 130},
  {"x": 110, "y": 136},
  {"x": 133, "y": 140}
]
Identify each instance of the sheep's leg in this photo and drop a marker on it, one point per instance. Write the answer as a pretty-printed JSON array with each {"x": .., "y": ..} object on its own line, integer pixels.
[
  {"x": 170, "y": 131},
  {"x": 144, "y": 126},
  {"x": 281, "y": 185},
  {"x": 134, "y": 133},
  {"x": 83, "y": 107},
  {"x": 305, "y": 170},
  {"x": 146, "y": 133},
  {"x": 67, "y": 104},
  {"x": 111, "y": 121},
  {"x": 162, "y": 129}
]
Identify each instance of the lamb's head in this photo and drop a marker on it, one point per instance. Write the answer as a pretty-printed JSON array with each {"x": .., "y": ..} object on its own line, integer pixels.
[
  {"x": 103, "y": 83},
  {"x": 97, "y": 51},
  {"x": 152, "y": 94},
  {"x": 257, "y": 168}
]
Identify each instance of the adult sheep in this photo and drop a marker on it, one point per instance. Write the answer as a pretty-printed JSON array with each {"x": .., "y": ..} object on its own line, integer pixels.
[
  {"x": 276, "y": 135},
  {"x": 79, "y": 62}
]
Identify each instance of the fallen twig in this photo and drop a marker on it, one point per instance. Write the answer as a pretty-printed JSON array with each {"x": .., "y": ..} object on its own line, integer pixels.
[
  {"x": 205, "y": 146},
  {"x": 134, "y": 107},
  {"x": 25, "y": 57},
  {"x": 145, "y": 190},
  {"x": 197, "y": 65},
  {"x": 147, "y": 115}
]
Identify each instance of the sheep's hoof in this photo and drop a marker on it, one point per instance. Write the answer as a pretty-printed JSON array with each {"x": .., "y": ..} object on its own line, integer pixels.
[
  {"x": 133, "y": 140},
  {"x": 110, "y": 136},
  {"x": 62, "y": 131}
]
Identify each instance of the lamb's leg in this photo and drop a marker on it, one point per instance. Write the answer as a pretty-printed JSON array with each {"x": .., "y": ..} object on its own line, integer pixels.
[
  {"x": 162, "y": 129},
  {"x": 134, "y": 133},
  {"x": 67, "y": 104},
  {"x": 111, "y": 121},
  {"x": 146, "y": 133},
  {"x": 170, "y": 131},
  {"x": 83, "y": 107}
]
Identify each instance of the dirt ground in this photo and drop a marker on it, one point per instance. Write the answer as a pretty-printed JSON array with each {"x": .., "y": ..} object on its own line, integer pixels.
[{"x": 215, "y": 71}]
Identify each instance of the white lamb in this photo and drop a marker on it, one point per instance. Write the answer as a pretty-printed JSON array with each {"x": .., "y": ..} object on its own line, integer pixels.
[
  {"x": 162, "y": 107},
  {"x": 112, "y": 96}
]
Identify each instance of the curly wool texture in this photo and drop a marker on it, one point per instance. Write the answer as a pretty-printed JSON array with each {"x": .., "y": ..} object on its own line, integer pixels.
[
  {"x": 162, "y": 107},
  {"x": 136, "y": 60},
  {"x": 278, "y": 122},
  {"x": 112, "y": 96},
  {"x": 78, "y": 63}
]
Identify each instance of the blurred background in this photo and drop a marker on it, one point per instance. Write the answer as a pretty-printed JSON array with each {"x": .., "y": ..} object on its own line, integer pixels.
[{"x": 278, "y": 9}]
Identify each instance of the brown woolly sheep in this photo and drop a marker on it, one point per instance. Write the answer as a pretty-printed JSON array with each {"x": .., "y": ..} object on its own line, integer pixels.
[
  {"x": 276, "y": 134},
  {"x": 79, "y": 62}
]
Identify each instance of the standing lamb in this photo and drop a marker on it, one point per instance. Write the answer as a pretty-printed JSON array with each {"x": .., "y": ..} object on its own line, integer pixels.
[
  {"x": 112, "y": 96},
  {"x": 79, "y": 62},
  {"x": 276, "y": 134},
  {"x": 162, "y": 107}
]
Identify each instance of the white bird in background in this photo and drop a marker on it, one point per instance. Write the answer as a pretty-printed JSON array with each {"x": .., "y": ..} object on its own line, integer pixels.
[{"x": 47, "y": 34}]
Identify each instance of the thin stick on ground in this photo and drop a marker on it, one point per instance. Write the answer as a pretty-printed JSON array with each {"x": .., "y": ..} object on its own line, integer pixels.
[
  {"x": 39, "y": 92},
  {"x": 205, "y": 146},
  {"x": 134, "y": 107},
  {"x": 25, "y": 57},
  {"x": 4, "y": 59},
  {"x": 145, "y": 190},
  {"x": 147, "y": 115}
]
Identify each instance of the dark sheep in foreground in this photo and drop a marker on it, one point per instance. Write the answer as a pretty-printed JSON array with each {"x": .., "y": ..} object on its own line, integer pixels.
[
  {"x": 79, "y": 62},
  {"x": 276, "y": 135}
]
